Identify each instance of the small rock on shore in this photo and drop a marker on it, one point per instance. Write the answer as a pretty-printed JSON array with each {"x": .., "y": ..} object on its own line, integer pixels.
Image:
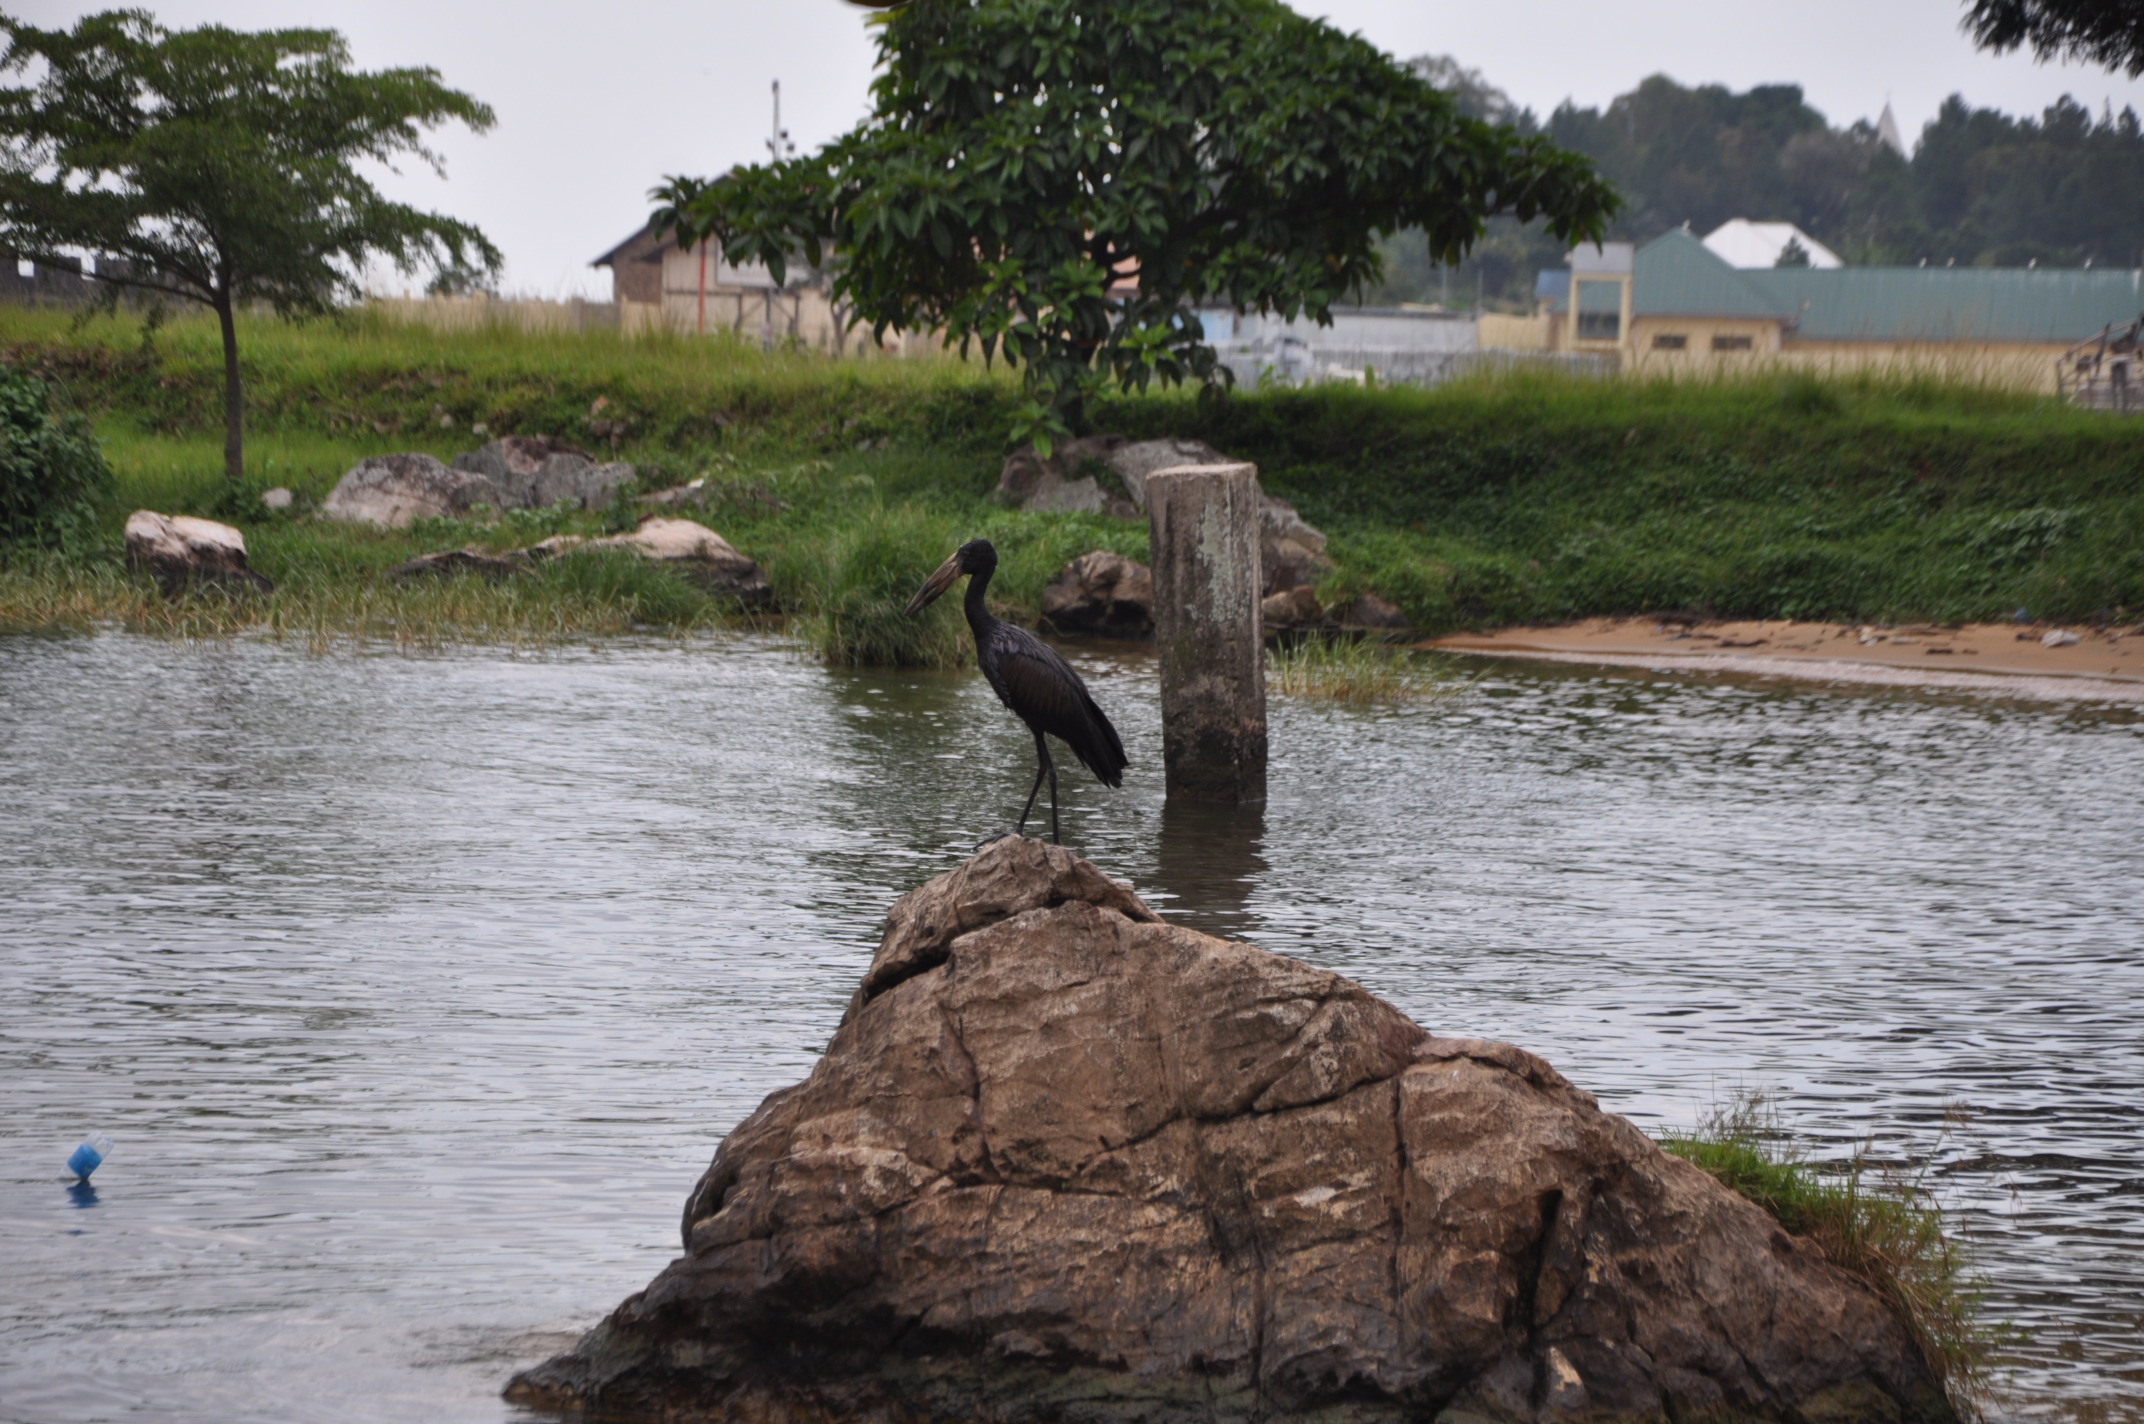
[{"x": 182, "y": 552}]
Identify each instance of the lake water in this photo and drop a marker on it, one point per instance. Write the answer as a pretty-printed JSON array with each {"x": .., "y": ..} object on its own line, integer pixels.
[{"x": 417, "y": 990}]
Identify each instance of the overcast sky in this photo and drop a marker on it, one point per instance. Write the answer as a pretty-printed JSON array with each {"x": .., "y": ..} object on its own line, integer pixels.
[{"x": 596, "y": 102}]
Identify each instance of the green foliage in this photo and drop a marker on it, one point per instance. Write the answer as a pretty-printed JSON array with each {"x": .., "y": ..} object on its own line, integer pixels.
[
  {"x": 1537, "y": 499},
  {"x": 1883, "y": 1227},
  {"x": 219, "y": 167},
  {"x": 1027, "y": 158},
  {"x": 2104, "y": 32},
  {"x": 53, "y": 478},
  {"x": 222, "y": 165},
  {"x": 856, "y": 580}
]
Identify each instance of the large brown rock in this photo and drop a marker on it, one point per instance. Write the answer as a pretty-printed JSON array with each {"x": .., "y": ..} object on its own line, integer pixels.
[
  {"x": 183, "y": 552},
  {"x": 1101, "y": 593},
  {"x": 1063, "y": 1161}
]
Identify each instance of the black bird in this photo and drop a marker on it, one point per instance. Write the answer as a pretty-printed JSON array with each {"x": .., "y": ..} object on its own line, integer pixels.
[{"x": 1039, "y": 686}]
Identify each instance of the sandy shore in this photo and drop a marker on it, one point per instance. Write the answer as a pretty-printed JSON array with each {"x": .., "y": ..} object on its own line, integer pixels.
[{"x": 2035, "y": 660}]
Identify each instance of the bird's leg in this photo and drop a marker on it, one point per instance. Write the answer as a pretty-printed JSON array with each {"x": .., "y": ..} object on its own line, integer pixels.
[
  {"x": 1042, "y": 765},
  {"x": 1055, "y": 838}
]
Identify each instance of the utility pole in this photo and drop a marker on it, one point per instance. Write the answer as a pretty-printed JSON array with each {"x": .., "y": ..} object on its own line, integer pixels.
[{"x": 779, "y": 145}]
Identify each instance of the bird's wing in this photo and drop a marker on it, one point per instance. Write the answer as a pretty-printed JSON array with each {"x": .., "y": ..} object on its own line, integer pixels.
[
  {"x": 1036, "y": 683},
  {"x": 1044, "y": 691}
]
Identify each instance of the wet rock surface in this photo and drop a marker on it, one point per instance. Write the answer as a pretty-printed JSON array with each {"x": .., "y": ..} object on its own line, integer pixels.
[
  {"x": 184, "y": 552},
  {"x": 1103, "y": 594},
  {"x": 1064, "y": 1161}
]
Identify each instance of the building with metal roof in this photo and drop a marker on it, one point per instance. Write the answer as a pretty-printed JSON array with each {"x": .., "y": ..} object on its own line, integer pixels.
[{"x": 1679, "y": 305}]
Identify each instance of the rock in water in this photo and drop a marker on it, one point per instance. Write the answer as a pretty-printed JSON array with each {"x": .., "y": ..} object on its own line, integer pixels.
[
  {"x": 182, "y": 550},
  {"x": 1101, "y": 593},
  {"x": 1063, "y": 1161},
  {"x": 392, "y": 491}
]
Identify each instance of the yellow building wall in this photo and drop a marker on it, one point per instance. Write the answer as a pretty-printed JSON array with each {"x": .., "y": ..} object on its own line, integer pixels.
[
  {"x": 1515, "y": 333},
  {"x": 2011, "y": 365},
  {"x": 1708, "y": 344}
]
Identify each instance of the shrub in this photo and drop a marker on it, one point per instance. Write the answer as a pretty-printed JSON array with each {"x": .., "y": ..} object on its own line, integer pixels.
[
  {"x": 853, "y": 579},
  {"x": 53, "y": 478}
]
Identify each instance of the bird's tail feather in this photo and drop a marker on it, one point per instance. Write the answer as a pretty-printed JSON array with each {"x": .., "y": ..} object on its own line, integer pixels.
[{"x": 1100, "y": 750}]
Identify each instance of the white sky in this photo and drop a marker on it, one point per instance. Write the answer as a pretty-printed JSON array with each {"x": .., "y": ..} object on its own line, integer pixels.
[{"x": 597, "y": 102}]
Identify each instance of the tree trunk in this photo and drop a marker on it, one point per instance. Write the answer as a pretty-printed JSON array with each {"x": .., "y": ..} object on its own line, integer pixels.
[{"x": 234, "y": 399}]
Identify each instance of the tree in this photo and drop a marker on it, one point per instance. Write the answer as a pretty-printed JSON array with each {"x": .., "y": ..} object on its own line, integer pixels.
[
  {"x": 2103, "y": 32},
  {"x": 218, "y": 167},
  {"x": 1793, "y": 254},
  {"x": 1061, "y": 180}
]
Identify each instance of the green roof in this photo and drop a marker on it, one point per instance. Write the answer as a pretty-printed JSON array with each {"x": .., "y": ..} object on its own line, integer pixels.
[{"x": 1676, "y": 275}]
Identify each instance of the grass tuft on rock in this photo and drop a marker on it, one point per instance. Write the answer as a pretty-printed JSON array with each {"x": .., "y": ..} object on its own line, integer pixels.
[
  {"x": 1359, "y": 671},
  {"x": 1882, "y": 1226}
]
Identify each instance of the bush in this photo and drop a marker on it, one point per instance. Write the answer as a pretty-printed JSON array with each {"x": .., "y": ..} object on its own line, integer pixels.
[
  {"x": 855, "y": 578},
  {"x": 53, "y": 478}
]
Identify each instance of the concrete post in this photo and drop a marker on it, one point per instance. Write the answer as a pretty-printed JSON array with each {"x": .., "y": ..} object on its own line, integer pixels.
[{"x": 1203, "y": 520}]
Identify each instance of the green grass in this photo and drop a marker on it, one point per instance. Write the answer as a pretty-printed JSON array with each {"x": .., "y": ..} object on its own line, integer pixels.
[
  {"x": 1518, "y": 498},
  {"x": 1357, "y": 670},
  {"x": 1882, "y": 1227}
]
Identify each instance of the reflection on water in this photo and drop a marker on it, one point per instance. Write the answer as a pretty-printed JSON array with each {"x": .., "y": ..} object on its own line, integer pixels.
[
  {"x": 419, "y": 990},
  {"x": 1206, "y": 864}
]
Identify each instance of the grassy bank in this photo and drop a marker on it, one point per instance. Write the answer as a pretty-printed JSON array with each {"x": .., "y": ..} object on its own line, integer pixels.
[{"x": 1505, "y": 500}]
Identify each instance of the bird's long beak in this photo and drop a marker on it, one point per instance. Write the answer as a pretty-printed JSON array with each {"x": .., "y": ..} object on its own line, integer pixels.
[{"x": 936, "y": 584}]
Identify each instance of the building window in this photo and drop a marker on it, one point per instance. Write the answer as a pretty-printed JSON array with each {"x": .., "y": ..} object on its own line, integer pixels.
[
  {"x": 1730, "y": 343},
  {"x": 1670, "y": 341},
  {"x": 1600, "y": 326}
]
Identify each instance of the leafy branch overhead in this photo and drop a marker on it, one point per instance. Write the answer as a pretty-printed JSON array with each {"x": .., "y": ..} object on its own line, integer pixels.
[
  {"x": 218, "y": 166},
  {"x": 1061, "y": 182}
]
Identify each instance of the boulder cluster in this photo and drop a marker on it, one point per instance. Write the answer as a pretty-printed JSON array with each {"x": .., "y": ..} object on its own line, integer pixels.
[
  {"x": 1063, "y": 1160},
  {"x": 1109, "y": 595},
  {"x": 394, "y": 491},
  {"x": 516, "y": 472}
]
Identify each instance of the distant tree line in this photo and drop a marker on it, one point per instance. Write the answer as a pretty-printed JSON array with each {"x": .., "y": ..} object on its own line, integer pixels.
[{"x": 1980, "y": 188}]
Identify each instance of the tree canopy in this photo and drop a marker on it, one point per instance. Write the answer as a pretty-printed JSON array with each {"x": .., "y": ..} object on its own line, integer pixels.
[
  {"x": 218, "y": 166},
  {"x": 2104, "y": 32},
  {"x": 1061, "y": 181}
]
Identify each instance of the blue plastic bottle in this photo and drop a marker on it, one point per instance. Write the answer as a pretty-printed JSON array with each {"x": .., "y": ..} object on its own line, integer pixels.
[{"x": 90, "y": 1155}]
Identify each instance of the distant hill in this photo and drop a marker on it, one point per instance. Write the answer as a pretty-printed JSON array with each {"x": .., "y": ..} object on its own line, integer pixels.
[{"x": 1980, "y": 187}]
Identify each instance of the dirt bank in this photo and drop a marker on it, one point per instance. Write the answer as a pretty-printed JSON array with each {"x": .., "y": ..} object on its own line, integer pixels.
[{"x": 2037, "y": 660}]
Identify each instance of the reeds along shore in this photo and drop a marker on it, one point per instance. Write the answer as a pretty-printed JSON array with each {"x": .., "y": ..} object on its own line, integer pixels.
[{"x": 1515, "y": 498}]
